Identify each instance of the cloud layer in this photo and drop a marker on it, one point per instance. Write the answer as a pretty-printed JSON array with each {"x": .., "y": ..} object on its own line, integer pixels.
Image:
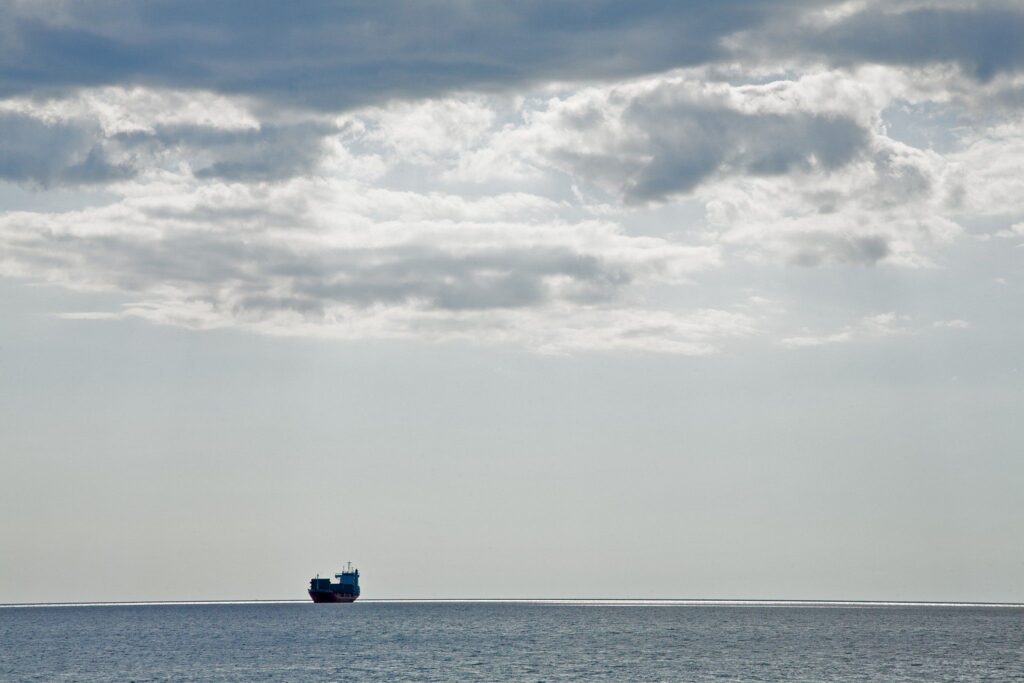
[
  {"x": 42, "y": 154},
  {"x": 331, "y": 56},
  {"x": 482, "y": 172}
]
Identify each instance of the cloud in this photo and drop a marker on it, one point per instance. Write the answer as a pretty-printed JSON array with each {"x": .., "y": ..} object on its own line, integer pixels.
[
  {"x": 984, "y": 40},
  {"x": 1015, "y": 231},
  {"x": 330, "y": 265},
  {"x": 116, "y": 109},
  {"x": 867, "y": 328},
  {"x": 91, "y": 139},
  {"x": 427, "y": 132},
  {"x": 40, "y": 154},
  {"x": 265, "y": 152},
  {"x": 990, "y": 164},
  {"x": 533, "y": 173},
  {"x": 293, "y": 225},
  {"x": 816, "y": 248},
  {"x": 652, "y": 139},
  {"x": 793, "y": 171},
  {"x": 333, "y": 56},
  {"x": 556, "y": 330},
  {"x": 893, "y": 204},
  {"x": 686, "y": 146}
]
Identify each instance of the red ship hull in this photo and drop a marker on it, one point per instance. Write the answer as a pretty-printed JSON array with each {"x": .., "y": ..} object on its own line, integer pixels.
[{"x": 328, "y": 596}]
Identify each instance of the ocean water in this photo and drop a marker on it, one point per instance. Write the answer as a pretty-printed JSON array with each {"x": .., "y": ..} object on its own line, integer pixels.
[{"x": 569, "y": 641}]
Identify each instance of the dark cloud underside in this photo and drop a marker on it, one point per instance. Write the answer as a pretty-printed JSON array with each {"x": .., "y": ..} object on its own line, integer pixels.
[
  {"x": 272, "y": 277},
  {"x": 338, "y": 55},
  {"x": 334, "y": 55},
  {"x": 40, "y": 154},
  {"x": 982, "y": 41}
]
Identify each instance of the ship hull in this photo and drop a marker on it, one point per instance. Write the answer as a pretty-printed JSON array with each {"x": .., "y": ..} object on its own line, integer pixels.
[{"x": 330, "y": 596}]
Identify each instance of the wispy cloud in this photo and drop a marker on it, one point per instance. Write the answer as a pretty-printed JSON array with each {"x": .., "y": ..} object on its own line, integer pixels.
[{"x": 867, "y": 328}]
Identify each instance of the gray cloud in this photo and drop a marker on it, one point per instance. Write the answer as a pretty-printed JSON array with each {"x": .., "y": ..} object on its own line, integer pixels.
[
  {"x": 489, "y": 278},
  {"x": 43, "y": 154},
  {"x": 551, "y": 287},
  {"x": 266, "y": 153},
  {"x": 817, "y": 248},
  {"x": 334, "y": 56},
  {"x": 984, "y": 41},
  {"x": 391, "y": 225},
  {"x": 337, "y": 55},
  {"x": 686, "y": 146},
  {"x": 665, "y": 142},
  {"x": 76, "y": 151},
  {"x": 267, "y": 277}
]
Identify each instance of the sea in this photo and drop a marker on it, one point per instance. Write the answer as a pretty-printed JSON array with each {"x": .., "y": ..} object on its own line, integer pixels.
[{"x": 555, "y": 640}]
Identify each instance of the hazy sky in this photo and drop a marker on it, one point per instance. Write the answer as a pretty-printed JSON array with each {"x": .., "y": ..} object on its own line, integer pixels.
[{"x": 532, "y": 299}]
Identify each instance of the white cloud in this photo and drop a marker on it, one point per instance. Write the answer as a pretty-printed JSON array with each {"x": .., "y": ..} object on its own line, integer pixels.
[
  {"x": 335, "y": 258},
  {"x": 426, "y": 132},
  {"x": 554, "y": 330},
  {"x": 1014, "y": 231},
  {"x": 992, "y": 171},
  {"x": 138, "y": 110},
  {"x": 772, "y": 190},
  {"x": 867, "y": 328}
]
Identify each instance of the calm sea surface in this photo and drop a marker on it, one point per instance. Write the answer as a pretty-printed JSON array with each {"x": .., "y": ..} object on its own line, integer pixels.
[{"x": 509, "y": 642}]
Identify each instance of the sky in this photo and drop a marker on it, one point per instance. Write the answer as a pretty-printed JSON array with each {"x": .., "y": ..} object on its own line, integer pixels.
[{"x": 512, "y": 300}]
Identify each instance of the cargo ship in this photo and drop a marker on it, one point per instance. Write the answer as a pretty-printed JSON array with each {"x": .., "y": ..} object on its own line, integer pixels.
[{"x": 345, "y": 590}]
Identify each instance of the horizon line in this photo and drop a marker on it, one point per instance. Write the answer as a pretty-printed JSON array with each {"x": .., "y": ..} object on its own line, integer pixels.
[{"x": 582, "y": 602}]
